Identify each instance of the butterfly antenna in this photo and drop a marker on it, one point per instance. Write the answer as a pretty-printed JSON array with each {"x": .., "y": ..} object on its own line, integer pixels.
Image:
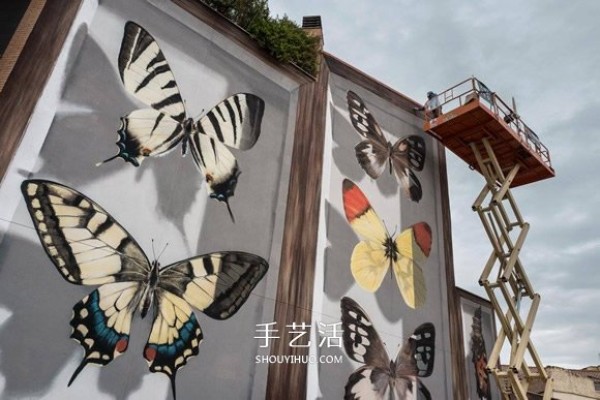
[
  {"x": 77, "y": 371},
  {"x": 107, "y": 160},
  {"x": 162, "y": 251},
  {"x": 153, "y": 253},
  {"x": 230, "y": 212}
]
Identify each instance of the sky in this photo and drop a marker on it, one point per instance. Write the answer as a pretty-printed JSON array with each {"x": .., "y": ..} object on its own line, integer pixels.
[{"x": 545, "y": 54}]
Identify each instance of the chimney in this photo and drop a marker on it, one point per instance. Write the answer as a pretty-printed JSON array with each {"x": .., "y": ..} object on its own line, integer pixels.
[{"x": 311, "y": 24}]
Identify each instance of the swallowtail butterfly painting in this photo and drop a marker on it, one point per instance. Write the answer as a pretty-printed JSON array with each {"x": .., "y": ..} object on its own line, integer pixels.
[
  {"x": 89, "y": 247},
  {"x": 479, "y": 358},
  {"x": 150, "y": 132},
  {"x": 378, "y": 251},
  {"x": 381, "y": 378},
  {"x": 375, "y": 152}
]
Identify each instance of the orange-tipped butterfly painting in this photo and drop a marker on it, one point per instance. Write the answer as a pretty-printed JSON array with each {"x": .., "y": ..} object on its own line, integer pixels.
[{"x": 405, "y": 254}]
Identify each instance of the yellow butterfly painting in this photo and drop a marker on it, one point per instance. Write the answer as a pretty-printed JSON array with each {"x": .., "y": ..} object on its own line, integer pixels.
[{"x": 378, "y": 250}]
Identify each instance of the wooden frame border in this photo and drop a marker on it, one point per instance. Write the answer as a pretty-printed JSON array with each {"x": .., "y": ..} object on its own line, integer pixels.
[
  {"x": 295, "y": 282},
  {"x": 339, "y": 67},
  {"x": 459, "y": 295},
  {"x": 19, "y": 38},
  {"x": 30, "y": 73}
]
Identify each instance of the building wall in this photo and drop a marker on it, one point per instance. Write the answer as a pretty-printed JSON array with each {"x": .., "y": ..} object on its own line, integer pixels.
[
  {"x": 165, "y": 200},
  {"x": 393, "y": 319},
  {"x": 568, "y": 385}
]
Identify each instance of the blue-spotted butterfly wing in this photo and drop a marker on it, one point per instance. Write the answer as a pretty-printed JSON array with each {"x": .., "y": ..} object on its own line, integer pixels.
[
  {"x": 101, "y": 322},
  {"x": 373, "y": 152},
  {"x": 175, "y": 336},
  {"x": 235, "y": 122},
  {"x": 217, "y": 284},
  {"x": 408, "y": 155},
  {"x": 146, "y": 133},
  {"x": 89, "y": 247}
]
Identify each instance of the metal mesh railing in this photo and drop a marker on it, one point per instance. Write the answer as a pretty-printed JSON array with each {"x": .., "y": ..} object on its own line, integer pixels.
[{"x": 472, "y": 89}]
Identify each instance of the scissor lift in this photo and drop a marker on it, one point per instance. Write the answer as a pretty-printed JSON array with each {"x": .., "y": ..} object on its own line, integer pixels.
[{"x": 491, "y": 137}]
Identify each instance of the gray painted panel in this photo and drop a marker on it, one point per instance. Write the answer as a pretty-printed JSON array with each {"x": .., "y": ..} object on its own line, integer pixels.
[
  {"x": 392, "y": 318},
  {"x": 164, "y": 200}
]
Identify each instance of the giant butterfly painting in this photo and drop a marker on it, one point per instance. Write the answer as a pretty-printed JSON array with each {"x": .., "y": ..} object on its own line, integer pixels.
[
  {"x": 374, "y": 153},
  {"x": 379, "y": 377},
  {"x": 379, "y": 252},
  {"x": 89, "y": 247},
  {"x": 235, "y": 122}
]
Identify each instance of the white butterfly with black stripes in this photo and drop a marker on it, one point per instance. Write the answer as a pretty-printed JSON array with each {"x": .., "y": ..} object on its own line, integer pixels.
[
  {"x": 89, "y": 247},
  {"x": 235, "y": 122},
  {"x": 380, "y": 376}
]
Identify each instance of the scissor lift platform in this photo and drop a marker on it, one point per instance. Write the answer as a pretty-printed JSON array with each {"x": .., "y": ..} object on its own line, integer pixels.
[
  {"x": 474, "y": 113},
  {"x": 491, "y": 137}
]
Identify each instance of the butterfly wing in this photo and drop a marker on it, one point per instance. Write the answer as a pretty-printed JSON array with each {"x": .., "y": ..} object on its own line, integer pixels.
[
  {"x": 367, "y": 383},
  {"x": 85, "y": 243},
  {"x": 374, "y": 152},
  {"x": 89, "y": 247},
  {"x": 408, "y": 155},
  {"x": 361, "y": 340},
  {"x": 369, "y": 261},
  {"x": 145, "y": 133},
  {"x": 235, "y": 123},
  {"x": 217, "y": 284},
  {"x": 101, "y": 322},
  {"x": 414, "y": 246},
  {"x": 146, "y": 73},
  {"x": 415, "y": 360},
  {"x": 174, "y": 338},
  {"x": 362, "y": 344}
]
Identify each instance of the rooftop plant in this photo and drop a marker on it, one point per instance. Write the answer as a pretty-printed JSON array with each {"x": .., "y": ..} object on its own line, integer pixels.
[{"x": 281, "y": 37}]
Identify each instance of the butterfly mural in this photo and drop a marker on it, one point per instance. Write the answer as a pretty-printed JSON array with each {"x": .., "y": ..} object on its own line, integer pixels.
[
  {"x": 89, "y": 247},
  {"x": 479, "y": 358},
  {"x": 151, "y": 132},
  {"x": 379, "y": 251},
  {"x": 375, "y": 151},
  {"x": 379, "y": 375}
]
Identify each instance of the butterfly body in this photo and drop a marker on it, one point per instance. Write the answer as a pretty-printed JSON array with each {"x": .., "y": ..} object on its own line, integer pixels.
[
  {"x": 152, "y": 132},
  {"x": 89, "y": 247},
  {"x": 380, "y": 375},
  {"x": 375, "y": 151},
  {"x": 378, "y": 251}
]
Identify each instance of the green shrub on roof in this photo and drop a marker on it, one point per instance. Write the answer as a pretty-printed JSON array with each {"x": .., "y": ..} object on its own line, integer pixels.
[{"x": 281, "y": 37}]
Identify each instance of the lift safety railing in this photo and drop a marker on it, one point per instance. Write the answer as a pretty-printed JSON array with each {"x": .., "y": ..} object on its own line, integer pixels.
[{"x": 471, "y": 89}]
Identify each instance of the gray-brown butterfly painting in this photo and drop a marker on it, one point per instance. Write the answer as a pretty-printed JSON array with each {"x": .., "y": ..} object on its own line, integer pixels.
[
  {"x": 380, "y": 378},
  {"x": 375, "y": 151}
]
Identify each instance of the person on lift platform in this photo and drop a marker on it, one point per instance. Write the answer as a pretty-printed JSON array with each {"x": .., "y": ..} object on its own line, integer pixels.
[{"x": 431, "y": 107}]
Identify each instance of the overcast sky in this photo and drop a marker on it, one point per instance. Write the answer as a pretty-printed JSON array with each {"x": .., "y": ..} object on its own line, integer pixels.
[{"x": 545, "y": 53}]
